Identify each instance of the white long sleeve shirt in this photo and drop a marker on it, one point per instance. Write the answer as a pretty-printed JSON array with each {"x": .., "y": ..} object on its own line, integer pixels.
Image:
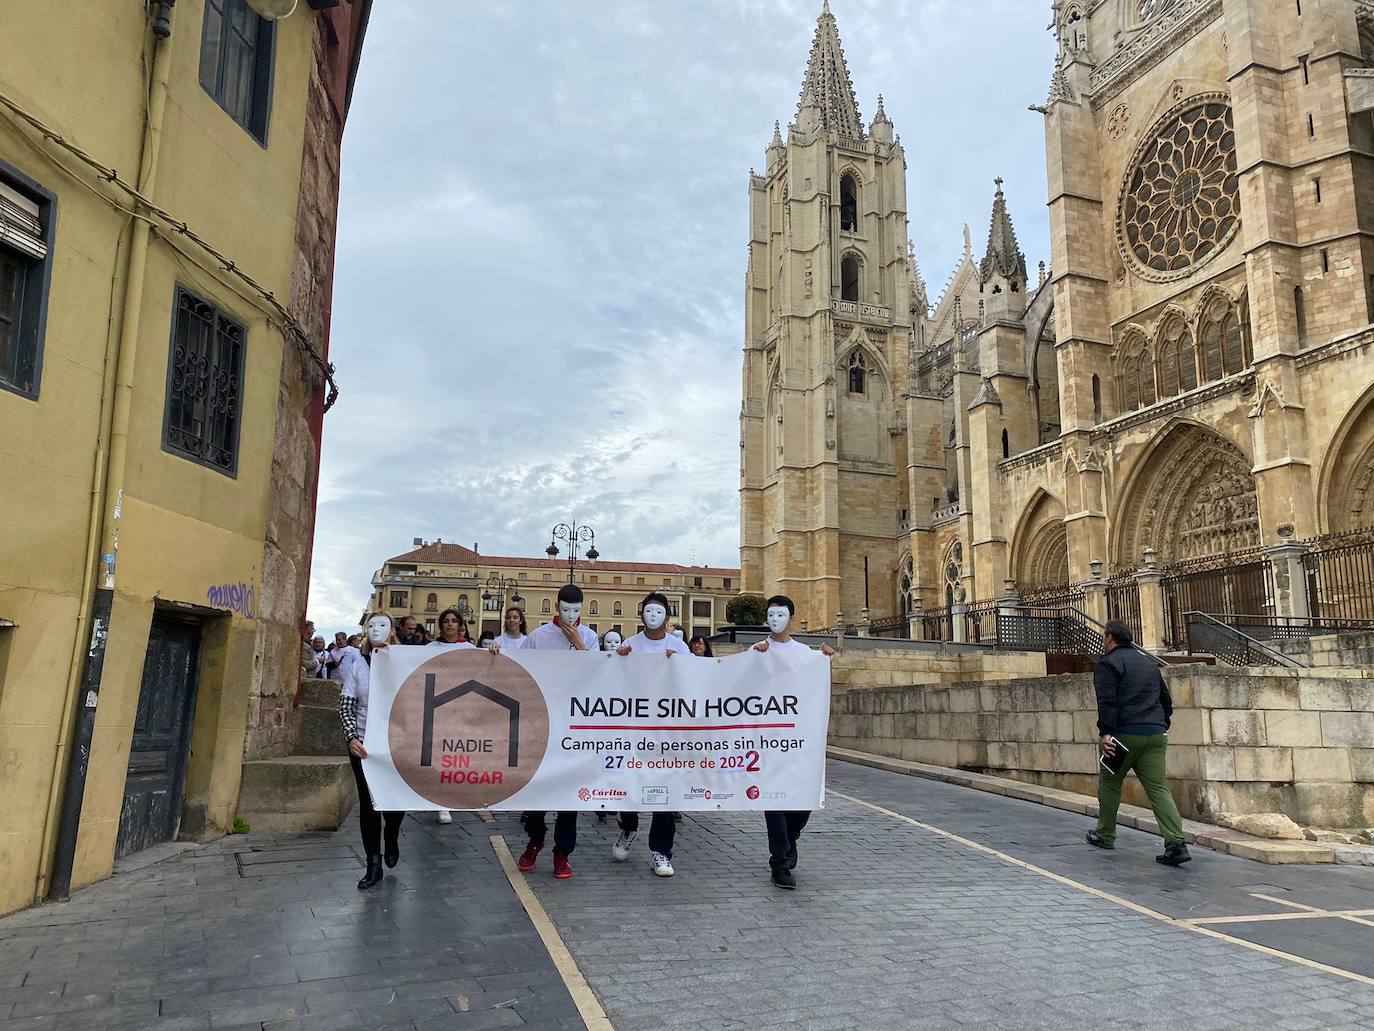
[{"x": 550, "y": 636}]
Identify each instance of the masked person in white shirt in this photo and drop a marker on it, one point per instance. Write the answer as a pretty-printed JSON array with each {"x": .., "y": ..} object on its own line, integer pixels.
[
  {"x": 784, "y": 828},
  {"x": 566, "y": 632},
  {"x": 353, "y": 715},
  {"x": 514, "y": 633},
  {"x": 654, "y": 639},
  {"x": 611, "y": 640}
]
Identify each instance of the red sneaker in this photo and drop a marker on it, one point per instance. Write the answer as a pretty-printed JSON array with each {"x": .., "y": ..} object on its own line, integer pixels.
[
  {"x": 562, "y": 869},
  {"x": 526, "y": 861}
]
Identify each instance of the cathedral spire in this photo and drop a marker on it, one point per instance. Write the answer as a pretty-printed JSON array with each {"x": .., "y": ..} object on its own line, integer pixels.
[
  {"x": 827, "y": 80},
  {"x": 1003, "y": 257},
  {"x": 920, "y": 297}
]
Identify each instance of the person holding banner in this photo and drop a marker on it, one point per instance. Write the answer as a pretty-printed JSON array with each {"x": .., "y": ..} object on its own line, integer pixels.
[
  {"x": 566, "y": 631},
  {"x": 353, "y": 716},
  {"x": 514, "y": 633},
  {"x": 784, "y": 828},
  {"x": 654, "y": 639},
  {"x": 453, "y": 633}
]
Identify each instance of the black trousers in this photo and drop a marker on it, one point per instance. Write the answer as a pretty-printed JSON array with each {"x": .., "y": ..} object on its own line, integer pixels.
[
  {"x": 564, "y": 831},
  {"x": 662, "y": 828},
  {"x": 784, "y": 828},
  {"x": 368, "y": 818}
]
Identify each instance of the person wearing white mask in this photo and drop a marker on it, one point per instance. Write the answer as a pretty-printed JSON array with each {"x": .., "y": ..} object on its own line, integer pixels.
[
  {"x": 565, "y": 632},
  {"x": 514, "y": 633},
  {"x": 453, "y": 634},
  {"x": 654, "y": 639},
  {"x": 611, "y": 640},
  {"x": 784, "y": 828},
  {"x": 353, "y": 715}
]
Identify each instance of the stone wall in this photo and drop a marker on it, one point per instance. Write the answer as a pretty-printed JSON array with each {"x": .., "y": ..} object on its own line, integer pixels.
[
  {"x": 1348, "y": 650},
  {"x": 1300, "y": 742}
]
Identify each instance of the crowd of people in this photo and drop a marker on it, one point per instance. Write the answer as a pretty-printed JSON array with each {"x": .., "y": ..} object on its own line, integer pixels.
[{"x": 349, "y": 661}]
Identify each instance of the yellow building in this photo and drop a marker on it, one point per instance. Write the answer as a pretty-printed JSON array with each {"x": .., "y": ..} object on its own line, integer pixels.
[
  {"x": 436, "y": 576},
  {"x": 168, "y": 182}
]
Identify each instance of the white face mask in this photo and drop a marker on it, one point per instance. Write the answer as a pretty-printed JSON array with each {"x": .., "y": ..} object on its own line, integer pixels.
[
  {"x": 379, "y": 629},
  {"x": 778, "y": 618},
  {"x": 611, "y": 641},
  {"x": 569, "y": 611},
  {"x": 655, "y": 615},
  {"x": 678, "y": 634}
]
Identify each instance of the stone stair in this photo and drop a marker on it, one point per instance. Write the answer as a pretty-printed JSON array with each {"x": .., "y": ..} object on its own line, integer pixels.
[{"x": 312, "y": 789}]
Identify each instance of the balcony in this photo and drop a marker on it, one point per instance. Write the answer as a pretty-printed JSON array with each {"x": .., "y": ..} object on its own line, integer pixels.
[{"x": 862, "y": 312}]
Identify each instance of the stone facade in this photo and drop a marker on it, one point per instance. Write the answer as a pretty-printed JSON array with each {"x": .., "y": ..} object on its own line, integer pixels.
[
  {"x": 1191, "y": 375},
  {"x": 1299, "y": 742}
]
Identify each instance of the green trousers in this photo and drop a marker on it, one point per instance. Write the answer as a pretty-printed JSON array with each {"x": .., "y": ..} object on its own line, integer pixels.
[{"x": 1147, "y": 759}]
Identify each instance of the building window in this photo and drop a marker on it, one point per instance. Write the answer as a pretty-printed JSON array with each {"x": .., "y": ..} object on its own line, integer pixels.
[
  {"x": 615, "y": 579},
  {"x": 673, "y": 610},
  {"x": 726, "y": 583},
  {"x": 849, "y": 204},
  {"x": 639, "y": 580},
  {"x": 204, "y": 384},
  {"x": 701, "y": 608},
  {"x": 429, "y": 626},
  {"x": 398, "y": 599},
  {"x": 849, "y": 278},
  {"x": 548, "y": 577},
  {"x": 25, "y": 231},
  {"x": 432, "y": 603},
  {"x": 617, "y": 609},
  {"x": 1097, "y": 399},
  {"x": 696, "y": 581},
  {"x": 858, "y": 373},
  {"x": 592, "y": 578},
  {"x": 523, "y": 576},
  {"x": 594, "y": 609},
  {"x": 236, "y": 62},
  {"x": 1006, "y": 445},
  {"x": 544, "y": 607}
]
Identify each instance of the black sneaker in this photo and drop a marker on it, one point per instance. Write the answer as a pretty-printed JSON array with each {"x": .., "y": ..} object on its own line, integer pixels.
[
  {"x": 1093, "y": 838},
  {"x": 1174, "y": 855},
  {"x": 792, "y": 858},
  {"x": 783, "y": 878}
]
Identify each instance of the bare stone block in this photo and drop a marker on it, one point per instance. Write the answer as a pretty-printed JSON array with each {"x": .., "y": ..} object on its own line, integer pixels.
[
  {"x": 1184, "y": 761},
  {"x": 1076, "y": 758},
  {"x": 1189, "y": 727},
  {"x": 1362, "y": 765},
  {"x": 1238, "y": 727},
  {"x": 1350, "y": 729},
  {"x": 1324, "y": 694},
  {"x": 1085, "y": 726},
  {"x": 1276, "y": 693},
  {"x": 1223, "y": 691},
  {"x": 1321, "y": 764},
  {"x": 1293, "y": 728},
  {"x": 1271, "y": 764},
  {"x": 1218, "y": 763}
]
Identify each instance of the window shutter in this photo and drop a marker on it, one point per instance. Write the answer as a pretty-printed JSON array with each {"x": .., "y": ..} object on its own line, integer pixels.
[{"x": 20, "y": 226}]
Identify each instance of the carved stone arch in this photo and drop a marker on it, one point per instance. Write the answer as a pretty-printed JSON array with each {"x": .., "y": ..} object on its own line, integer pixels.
[
  {"x": 864, "y": 418},
  {"x": 1175, "y": 349},
  {"x": 859, "y": 340},
  {"x": 1040, "y": 546},
  {"x": 1345, "y": 492},
  {"x": 1134, "y": 365},
  {"x": 906, "y": 582},
  {"x": 772, "y": 418},
  {"x": 1189, "y": 495}
]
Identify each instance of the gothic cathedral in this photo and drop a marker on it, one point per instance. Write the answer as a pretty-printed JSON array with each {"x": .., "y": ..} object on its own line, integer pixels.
[{"x": 1189, "y": 385}]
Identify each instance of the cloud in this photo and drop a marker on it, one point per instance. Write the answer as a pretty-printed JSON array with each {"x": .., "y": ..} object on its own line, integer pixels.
[{"x": 538, "y": 302}]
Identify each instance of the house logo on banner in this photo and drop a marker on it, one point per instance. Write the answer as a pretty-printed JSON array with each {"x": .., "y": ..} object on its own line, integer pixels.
[{"x": 465, "y": 742}]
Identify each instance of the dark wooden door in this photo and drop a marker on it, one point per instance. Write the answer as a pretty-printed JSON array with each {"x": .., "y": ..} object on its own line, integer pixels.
[{"x": 162, "y": 737}]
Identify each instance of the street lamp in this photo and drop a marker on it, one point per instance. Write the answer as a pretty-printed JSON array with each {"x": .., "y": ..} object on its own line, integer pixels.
[
  {"x": 497, "y": 586},
  {"x": 573, "y": 536}
]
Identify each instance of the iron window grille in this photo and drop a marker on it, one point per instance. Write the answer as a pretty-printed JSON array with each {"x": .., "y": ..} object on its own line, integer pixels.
[
  {"x": 236, "y": 58},
  {"x": 25, "y": 236},
  {"x": 205, "y": 384}
]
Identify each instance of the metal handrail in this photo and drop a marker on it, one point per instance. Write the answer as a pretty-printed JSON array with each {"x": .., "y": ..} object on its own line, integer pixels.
[
  {"x": 1144, "y": 651},
  {"x": 1251, "y": 644}
]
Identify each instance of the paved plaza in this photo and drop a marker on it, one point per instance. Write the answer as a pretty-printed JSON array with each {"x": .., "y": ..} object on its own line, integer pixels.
[{"x": 901, "y": 920}]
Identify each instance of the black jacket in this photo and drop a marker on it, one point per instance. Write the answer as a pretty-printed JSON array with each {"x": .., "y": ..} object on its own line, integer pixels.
[{"x": 1130, "y": 691}]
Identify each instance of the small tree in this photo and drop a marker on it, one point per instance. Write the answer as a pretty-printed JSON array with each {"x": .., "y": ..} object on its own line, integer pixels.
[{"x": 746, "y": 610}]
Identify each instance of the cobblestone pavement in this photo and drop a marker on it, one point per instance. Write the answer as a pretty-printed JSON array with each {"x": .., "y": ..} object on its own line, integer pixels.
[
  {"x": 895, "y": 926},
  {"x": 257, "y": 932}
]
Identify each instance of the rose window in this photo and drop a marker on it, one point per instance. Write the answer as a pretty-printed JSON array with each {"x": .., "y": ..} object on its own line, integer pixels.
[
  {"x": 1149, "y": 8},
  {"x": 1180, "y": 200}
]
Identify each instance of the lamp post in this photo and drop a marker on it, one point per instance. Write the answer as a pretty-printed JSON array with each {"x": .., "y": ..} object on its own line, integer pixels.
[
  {"x": 573, "y": 536},
  {"x": 498, "y": 586}
]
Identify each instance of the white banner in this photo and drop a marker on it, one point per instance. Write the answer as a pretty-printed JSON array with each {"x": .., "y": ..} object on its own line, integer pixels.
[{"x": 552, "y": 730}]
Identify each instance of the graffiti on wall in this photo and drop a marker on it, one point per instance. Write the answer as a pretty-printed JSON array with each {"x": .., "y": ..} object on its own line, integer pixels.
[{"x": 239, "y": 597}]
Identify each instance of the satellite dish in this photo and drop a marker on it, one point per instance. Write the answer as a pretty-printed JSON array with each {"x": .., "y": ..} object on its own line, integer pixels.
[{"x": 273, "y": 10}]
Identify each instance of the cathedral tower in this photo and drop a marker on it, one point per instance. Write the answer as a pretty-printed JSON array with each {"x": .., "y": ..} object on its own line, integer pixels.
[{"x": 826, "y": 350}]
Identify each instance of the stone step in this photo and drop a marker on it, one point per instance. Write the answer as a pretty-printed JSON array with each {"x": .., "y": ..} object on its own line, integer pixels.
[
  {"x": 297, "y": 793},
  {"x": 320, "y": 732},
  {"x": 324, "y": 693}
]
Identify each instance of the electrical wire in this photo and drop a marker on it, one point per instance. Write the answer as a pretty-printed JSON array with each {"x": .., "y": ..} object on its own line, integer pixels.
[{"x": 288, "y": 325}]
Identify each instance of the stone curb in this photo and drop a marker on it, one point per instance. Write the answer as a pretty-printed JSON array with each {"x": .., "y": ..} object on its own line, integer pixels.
[{"x": 1219, "y": 839}]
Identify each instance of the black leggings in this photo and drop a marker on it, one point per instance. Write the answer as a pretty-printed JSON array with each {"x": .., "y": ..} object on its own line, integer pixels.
[{"x": 368, "y": 818}]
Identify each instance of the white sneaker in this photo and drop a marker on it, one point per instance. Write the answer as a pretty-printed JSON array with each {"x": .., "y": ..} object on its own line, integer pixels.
[
  {"x": 445, "y": 816},
  {"x": 620, "y": 851},
  {"x": 663, "y": 866}
]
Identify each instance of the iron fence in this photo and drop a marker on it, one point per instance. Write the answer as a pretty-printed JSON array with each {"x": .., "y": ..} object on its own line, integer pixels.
[
  {"x": 1123, "y": 601},
  {"x": 1238, "y": 582},
  {"x": 1340, "y": 575},
  {"x": 1060, "y": 597}
]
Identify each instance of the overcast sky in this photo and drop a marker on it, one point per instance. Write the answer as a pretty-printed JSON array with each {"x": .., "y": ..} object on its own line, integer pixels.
[{"x": 538, "y": 301}]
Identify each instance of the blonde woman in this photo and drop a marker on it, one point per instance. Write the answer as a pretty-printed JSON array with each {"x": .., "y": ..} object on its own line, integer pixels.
[{"x": 353, "y": 715}]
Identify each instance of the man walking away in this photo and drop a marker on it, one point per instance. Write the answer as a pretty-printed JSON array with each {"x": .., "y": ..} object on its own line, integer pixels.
[{"x": 1134, "y": 710}]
